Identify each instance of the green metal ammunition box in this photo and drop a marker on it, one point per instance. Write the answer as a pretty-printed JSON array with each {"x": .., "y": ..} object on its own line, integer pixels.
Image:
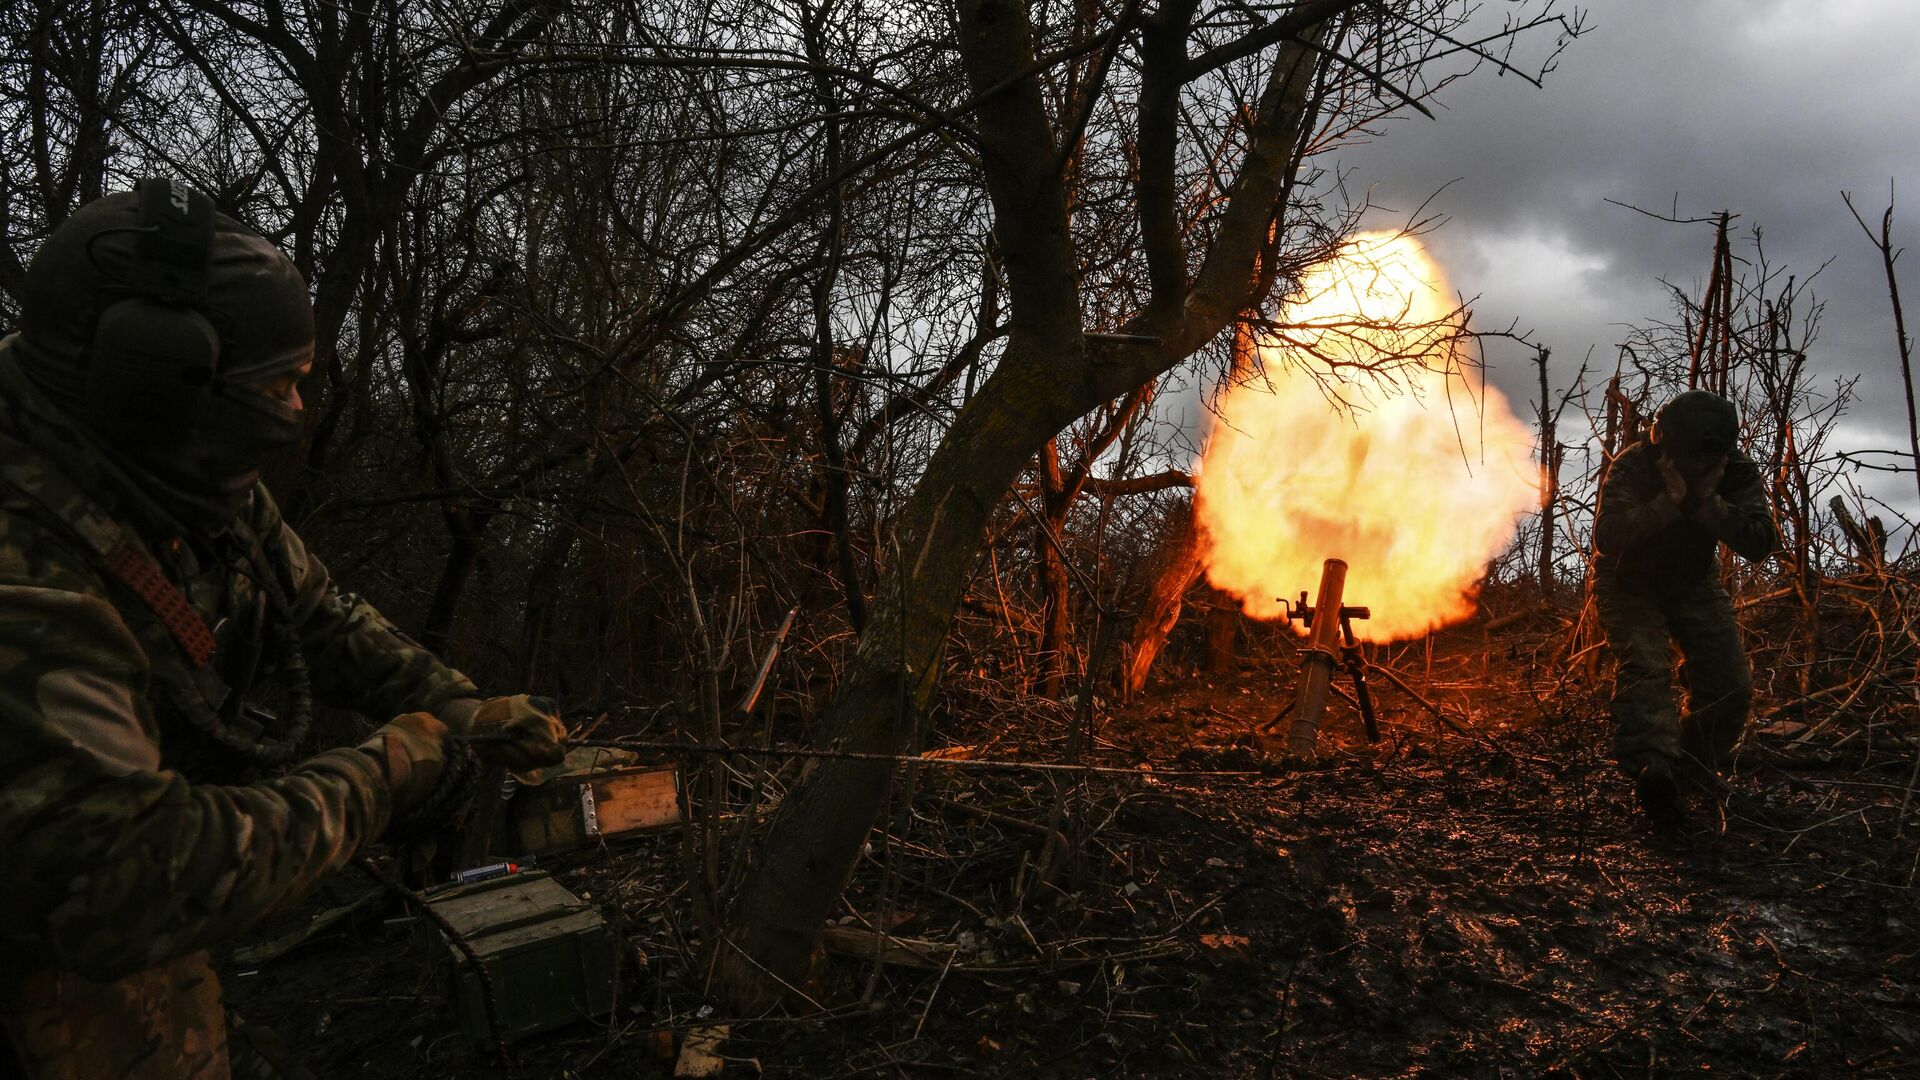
[{"x": 548, "y": 954}]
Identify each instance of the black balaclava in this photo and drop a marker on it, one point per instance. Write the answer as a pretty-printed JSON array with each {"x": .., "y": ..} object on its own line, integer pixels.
[
  {"x": 256, "y": 300},
  {"x": 1697, "y": 422}
]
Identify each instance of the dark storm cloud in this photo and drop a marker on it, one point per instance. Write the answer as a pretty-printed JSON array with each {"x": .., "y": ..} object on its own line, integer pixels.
[{"x": 1766, "y": 109}]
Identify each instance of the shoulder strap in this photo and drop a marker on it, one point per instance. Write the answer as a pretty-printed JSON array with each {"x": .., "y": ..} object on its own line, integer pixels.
[
  {"x": 134, "y": 568},
  {"x": 116, "y": 548}
]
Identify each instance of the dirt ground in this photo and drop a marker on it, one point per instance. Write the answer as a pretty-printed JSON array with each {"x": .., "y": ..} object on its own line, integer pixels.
[{"x": 1486, "y": 904}]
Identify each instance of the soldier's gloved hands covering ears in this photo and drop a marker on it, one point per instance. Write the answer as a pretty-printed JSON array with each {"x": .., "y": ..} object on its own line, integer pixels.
[
  {"x": 1676, "y": 484},
  {"x": 518, "y": 732},
  {"x": 1706, "y": 485},
  {"x": 412, "y": 748}
]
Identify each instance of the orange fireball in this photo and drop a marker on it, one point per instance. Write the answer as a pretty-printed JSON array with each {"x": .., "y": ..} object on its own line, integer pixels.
[{"x": 1416, "y": 480}]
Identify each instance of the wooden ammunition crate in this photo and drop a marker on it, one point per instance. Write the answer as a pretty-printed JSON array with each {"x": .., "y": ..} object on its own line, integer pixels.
[
  {"x": 571, "y": 811},
  {"x": 548, "y": 954}
]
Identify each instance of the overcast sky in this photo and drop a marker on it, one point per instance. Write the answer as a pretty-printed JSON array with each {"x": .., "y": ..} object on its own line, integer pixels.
[{"x": 1767, "y": 108}]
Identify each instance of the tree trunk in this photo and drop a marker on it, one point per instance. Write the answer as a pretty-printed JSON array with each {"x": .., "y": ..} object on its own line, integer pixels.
[
  {"x": 804, "y": 860},
  {"x": 1056, "y": 627},
  {"x": 1549, "y": 454},
  {"x": 1223, "y": 632},
  {"x": 833, "y": 468},
  {"x": 1179, "y": 567},
  {"x": 469, "y": 529}
]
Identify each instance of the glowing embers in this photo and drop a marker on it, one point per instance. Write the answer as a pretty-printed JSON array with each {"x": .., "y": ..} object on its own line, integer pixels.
[{"x": 1416, "y": 480}]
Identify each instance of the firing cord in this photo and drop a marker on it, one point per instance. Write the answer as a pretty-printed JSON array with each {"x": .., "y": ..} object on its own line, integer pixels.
[{"x": 984, "y": 765}]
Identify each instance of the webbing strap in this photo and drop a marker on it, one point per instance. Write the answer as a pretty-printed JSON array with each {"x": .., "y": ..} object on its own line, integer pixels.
[
  {"x": 135, "y": 569},
  {"x": 115, "y": 547}
]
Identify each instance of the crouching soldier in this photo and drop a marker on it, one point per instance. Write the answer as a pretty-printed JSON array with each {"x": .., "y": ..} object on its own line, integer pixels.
[
  {"x": 1666, "y": 506},
  {"x": 151, "y": 599}
]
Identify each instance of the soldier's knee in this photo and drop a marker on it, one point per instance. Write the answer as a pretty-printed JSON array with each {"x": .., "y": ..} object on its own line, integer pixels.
[{"x": 1641, "y": 692}]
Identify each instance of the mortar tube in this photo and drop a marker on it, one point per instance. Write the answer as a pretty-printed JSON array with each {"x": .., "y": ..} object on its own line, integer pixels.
[{"x": 1322, "y": 656}]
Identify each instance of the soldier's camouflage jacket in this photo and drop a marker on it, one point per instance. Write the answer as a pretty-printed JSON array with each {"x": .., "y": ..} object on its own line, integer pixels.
[
  {"x": 129, "y": 851},
  {"x": 1644, "y": 542}
]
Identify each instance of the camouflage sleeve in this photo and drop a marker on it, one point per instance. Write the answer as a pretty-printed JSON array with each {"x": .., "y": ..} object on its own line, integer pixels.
[
  {"x": 1631, "y": 510},
  {"x": 357, "y": 658},
  {"x": 1737, "y": 514},
  {"x": 114, "y": 863}
]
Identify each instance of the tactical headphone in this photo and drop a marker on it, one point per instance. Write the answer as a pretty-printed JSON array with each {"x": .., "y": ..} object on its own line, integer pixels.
[{"x": 156, "y": 355}]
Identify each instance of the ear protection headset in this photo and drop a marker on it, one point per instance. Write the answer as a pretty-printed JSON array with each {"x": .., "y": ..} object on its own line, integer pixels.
[{"x": 156, "y": 355}]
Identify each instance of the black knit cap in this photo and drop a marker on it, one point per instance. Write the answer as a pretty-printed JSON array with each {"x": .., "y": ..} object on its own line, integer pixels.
[
  {"x": 1698, "y": 422},
  {"x": 256, "y": 298}
]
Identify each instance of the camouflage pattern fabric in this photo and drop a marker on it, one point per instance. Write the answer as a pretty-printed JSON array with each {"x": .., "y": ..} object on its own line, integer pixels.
[
  {"x": 1643, "y": 541},
  {"x": 163, "y": 1023},
  {"x": 1657, "y": 584},
  {"x": 152, "y": 1024},
  {"x": 129, "y": 855},
  {"x": 1641, "y": 630}
]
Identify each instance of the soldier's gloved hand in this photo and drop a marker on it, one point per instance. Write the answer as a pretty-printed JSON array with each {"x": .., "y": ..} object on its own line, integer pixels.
[
  {"x": 518, "y": 732},
  {"x": 1676, "y": 484},
  {"x": 1708, "y": 485},
  {"x": 412, "y": 748}
]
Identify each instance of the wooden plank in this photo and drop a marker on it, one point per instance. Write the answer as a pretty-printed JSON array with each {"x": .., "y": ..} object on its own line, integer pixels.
[
  {"x": 628, "y": 801},
  {"x": 554, "y": 816}
]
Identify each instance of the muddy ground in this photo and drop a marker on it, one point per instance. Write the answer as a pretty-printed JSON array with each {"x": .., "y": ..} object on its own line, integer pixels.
[{"x": 1486, "y": 904}]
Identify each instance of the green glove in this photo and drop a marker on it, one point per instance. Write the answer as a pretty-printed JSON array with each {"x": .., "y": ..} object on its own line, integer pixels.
[
  {"x": 412, "y": 748},
  {"x": 518, "y": 732}
]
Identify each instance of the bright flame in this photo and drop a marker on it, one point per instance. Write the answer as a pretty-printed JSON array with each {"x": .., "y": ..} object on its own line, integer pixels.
[{"x": 1416, "y": 495}]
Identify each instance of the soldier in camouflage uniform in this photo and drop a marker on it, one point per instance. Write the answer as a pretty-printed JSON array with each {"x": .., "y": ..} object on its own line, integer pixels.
[
  {"x": 1666, "y": 506},
  {"x": 148, "y": 591}
]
